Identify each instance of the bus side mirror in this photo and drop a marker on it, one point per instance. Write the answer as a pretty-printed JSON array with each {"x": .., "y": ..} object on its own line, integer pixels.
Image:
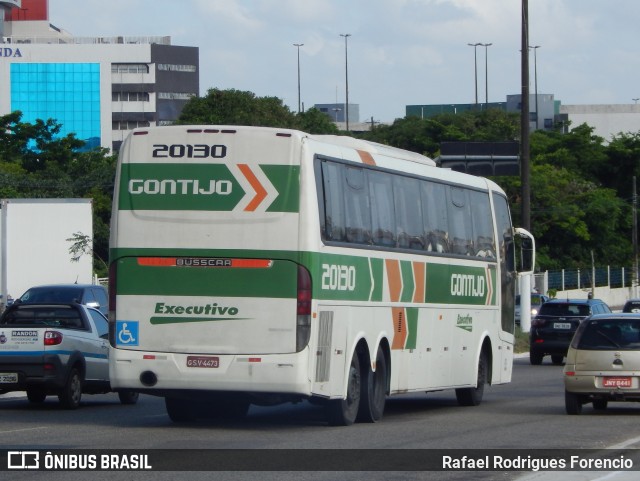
[{"x": 527, "y": 251}]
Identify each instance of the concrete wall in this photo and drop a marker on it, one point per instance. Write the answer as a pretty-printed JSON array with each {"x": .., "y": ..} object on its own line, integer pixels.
[{"x": 614, "y": 297}]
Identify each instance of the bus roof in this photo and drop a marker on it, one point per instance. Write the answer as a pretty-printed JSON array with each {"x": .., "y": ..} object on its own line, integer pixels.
[{"x": 373, "y": 148}]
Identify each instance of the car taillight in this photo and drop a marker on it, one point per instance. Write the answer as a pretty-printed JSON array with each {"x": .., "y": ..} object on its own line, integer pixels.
[
  {"x": 52, "y": 338},
  {"x": 537, "y": 322},
  {"x": 303, "y": 319}
]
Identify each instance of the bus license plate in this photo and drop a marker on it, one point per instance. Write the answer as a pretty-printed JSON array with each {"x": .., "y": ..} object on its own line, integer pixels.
[
  {"x": 203, "y": 361},
  {"x": 8, "y": 378},
  {"x": 616, "y": 382},
  {"x": 562, "y": 325}
]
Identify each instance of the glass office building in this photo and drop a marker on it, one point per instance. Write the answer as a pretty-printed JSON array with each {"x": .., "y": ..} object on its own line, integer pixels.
[
  {"x": 98, "y": 88},
  {"x": 69, "y": 91}
]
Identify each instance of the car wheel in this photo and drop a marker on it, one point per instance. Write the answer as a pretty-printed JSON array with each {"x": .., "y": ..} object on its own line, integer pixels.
[
  {"x": 71, "y": 394},
  {"x": 535, "y": 358},
  {"x": 36, "y": 395},
  {"x": 572, "y": 403},
  {"x": 128, "y": 397},
  {"x": 557, "y": 359},
  {"x": 600, "y": 404}
]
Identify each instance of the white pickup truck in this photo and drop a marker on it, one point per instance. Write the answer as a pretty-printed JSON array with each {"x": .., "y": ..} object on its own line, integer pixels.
[{"x": 56, "y": 349}]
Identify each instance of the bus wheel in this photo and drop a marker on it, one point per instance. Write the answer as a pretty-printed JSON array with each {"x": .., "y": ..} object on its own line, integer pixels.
[
  {"x": 472, "y": 396},
  {"x": 343, "y": 412},
  {"x": 180, "y": 410},
  {"x": 374, "y": 391}
]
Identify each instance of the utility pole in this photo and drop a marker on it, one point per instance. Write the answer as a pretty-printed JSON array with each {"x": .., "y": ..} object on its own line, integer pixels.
[
  {"x": 635, "y": 237},
  {"x": 524, "y": 121}
]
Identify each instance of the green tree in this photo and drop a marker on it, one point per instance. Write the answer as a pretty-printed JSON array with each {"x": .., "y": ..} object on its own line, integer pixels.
[
  {"x": 315, "y": 122},
  {"x": 235, "y": 107},
  {"x": 36, "y": 162}
]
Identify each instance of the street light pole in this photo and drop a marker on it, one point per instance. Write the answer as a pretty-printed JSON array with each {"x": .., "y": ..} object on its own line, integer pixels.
[
  {"x": 298, "y": 45},
  {"x": 486, "y": 74},
  {"x": 535, "y": 74},
  {"x": 475, "y": 66},
  {"x": 346, "y": 77}
]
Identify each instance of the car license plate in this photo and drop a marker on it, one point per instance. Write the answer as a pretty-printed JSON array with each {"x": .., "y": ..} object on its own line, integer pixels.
[
  {"x": 562, "y": 325},
  {"x": 203, "y": 361},
  {"x": 8, "y": 378},
  {"x": 616, "y": 382}
]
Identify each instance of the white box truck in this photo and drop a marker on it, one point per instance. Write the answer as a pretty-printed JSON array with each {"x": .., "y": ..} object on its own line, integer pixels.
[{"x": 34, "y": 248}]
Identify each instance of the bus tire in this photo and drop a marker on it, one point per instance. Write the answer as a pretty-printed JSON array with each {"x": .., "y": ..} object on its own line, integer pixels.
[
  {"x": 180, "y": 410},
  {"x": 374, "y": 391},
  {"x": 343, "y": 412},
  {"x": 472, "y": 396}
]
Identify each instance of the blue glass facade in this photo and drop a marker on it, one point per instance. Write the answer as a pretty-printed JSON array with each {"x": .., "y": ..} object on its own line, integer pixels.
[{"x": 66, "y": 92}]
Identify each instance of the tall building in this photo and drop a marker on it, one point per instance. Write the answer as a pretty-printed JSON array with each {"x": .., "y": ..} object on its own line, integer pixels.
[{"x": 97, "y": 87}]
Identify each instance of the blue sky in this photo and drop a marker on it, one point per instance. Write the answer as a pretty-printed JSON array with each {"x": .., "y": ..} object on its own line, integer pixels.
[{"x": 400, "y": 52}]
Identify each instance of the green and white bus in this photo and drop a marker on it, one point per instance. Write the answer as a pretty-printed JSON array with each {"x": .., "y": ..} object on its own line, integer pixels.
[{"x": 253, "y": 265}]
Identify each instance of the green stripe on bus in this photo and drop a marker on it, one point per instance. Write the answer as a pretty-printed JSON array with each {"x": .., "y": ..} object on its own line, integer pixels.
[
  {"x": 278, "y": 281},
  {"x": 453, "y": 284},
  {"x": 377, "y": 272},
  {"x": 181, "y": 320},
  {"x": 334, "y": 277},
  {"x": 286, "y": 180},
  {"x": 412, "y": 327},
  {"x": 408, "y": 284},
  {"x": 201, "y": 187}
]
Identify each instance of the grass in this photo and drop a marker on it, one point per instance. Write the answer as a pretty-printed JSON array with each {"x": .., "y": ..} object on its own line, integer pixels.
[{"x": 522, "y": 341}]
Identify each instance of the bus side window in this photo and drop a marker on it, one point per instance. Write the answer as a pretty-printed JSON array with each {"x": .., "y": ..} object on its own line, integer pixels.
[
  {"x": 434, "y": 214},
  {"x": 460, "y": 225},
  {"x": 333, "y": 225},
  {"x": 382, "y": 210},
  {"x": 482, "y": 225},
  {"x": 357, "y": 208},
  {"x": 408, "y": 213}
]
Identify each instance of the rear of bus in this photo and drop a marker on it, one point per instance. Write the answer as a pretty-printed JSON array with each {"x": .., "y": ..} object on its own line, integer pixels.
[{"x": 207, "y": 289}]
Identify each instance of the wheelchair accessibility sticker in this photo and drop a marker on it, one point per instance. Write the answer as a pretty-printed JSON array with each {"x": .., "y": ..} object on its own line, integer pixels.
[{"x": 127, "y": 333}]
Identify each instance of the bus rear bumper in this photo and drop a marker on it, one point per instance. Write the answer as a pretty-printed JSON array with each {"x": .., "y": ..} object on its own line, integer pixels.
[{"x": 149, "y": 372}]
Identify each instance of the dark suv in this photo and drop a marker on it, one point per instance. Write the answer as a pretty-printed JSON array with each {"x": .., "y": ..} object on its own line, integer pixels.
[
  {"x": 92, "y": 295},
  {"x": 553, "y": 328}
]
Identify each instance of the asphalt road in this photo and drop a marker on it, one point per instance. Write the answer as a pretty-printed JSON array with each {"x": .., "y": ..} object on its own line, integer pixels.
[{"x": 527, "y": 414}]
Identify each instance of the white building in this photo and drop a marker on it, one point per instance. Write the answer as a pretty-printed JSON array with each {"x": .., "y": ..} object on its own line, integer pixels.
[
  {"x": 606, "y": 119},
  {"x": 98, "y": 88}
]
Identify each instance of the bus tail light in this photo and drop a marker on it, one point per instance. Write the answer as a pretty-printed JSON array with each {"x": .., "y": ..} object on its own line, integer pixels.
[{"x": 303, "y": 320}]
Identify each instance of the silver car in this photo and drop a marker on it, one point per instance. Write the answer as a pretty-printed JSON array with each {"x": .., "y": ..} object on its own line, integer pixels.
[
  {"x": 536, "y": 301},
  {"x": 603, "y": 362}
]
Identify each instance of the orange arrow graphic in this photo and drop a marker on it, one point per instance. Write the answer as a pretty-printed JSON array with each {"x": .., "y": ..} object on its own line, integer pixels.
[{"x": 261, "y": 192}]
